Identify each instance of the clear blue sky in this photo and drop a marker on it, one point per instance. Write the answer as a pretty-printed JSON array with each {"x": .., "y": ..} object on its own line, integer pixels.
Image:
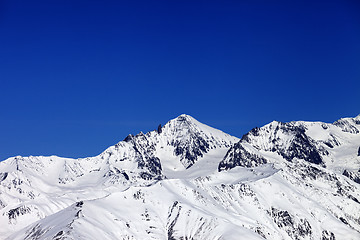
[{"x": 78, "y": 76}]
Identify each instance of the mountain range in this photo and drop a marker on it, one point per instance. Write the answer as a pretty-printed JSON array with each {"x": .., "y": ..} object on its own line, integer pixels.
[{"x": 186, "y": 180}]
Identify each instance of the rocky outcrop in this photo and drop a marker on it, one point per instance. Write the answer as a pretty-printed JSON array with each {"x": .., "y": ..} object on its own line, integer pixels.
[{"x": 239, "y": 156}]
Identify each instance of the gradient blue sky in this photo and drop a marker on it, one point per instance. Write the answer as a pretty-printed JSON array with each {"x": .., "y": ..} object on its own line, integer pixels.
[{"x": 78, "y": 76}]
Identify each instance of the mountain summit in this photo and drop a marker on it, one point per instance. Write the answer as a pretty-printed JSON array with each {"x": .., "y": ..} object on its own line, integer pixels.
[
  {"x": 186, "y": 180},
  {"x": 192, "y": 139}
]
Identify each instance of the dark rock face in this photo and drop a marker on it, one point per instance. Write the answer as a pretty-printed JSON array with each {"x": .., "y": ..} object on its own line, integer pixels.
[
  {"x": 159, "y": 130},
  {"x": 125, "y": 175},
  {"x": 58, "y": 235},
  {"x": 255, "y": 132},
  {"x": 343, "y": 220},
  {"x": 189, "y": 141},
  {"x": 3, "y": 176},
  {"x": 128, "y": 138},
  {"x": 281, "y": 218},
  {"x": 327, "y": 235},
  {"x": 79, "y": 204},
  {"x": 173, "y": 217},
  {"x": 239, "y": 156},
  {"x": 14, "y": 213},
  {"x": 302, "y": 148},
  {"x": 115, "y": 175},
  {"x": 346, "y": 125},
  {"x": 191, "y": 145},
  {"x": 258, "y": 231},
  {"x": 358, "y": 152},
  {"x": 145, "y": 156},
  {"x": 190, "y": 151},
  {"x": 286, "y": 139},
  {"x": 299, "y": 146},
  {"x": 295, "y": 229},
  {"x": 355, "y": 176},
  {"x": 332, "y": 142}
]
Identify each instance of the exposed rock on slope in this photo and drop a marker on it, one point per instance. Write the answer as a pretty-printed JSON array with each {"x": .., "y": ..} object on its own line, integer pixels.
[{"x": 186, "y": 180}]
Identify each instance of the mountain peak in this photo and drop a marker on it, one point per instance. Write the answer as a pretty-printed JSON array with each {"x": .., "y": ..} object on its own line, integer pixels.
[
  {"x": 208, "y": 183},
  {"x": 183, "y": 139},
  {"x": 192, "y": 139},
  {"x": 184, "y": 118},
  {"x": 185, "y": 126}
]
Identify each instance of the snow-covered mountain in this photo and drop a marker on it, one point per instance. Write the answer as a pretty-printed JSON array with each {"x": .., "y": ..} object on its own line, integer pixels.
[{"x": 186, "y": 180}]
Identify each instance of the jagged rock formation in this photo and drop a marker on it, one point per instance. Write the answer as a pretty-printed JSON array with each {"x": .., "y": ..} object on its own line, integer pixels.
[
  {"x": 287, "y": 139},
  {"x": 239, "y": 156},
  {"x": 186, "y": 180},
  {"x": 355, "y": 176}
]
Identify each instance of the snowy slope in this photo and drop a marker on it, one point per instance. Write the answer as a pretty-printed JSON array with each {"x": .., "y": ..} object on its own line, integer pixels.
[{"x": 186, "y": 180}]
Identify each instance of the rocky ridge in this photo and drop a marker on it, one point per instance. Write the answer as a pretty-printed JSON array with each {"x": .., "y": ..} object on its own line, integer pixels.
[{"x": 186, "y": 180}]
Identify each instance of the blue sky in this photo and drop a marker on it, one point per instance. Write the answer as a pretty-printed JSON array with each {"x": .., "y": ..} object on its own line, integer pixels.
[{"x": 78, "y": 76}]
